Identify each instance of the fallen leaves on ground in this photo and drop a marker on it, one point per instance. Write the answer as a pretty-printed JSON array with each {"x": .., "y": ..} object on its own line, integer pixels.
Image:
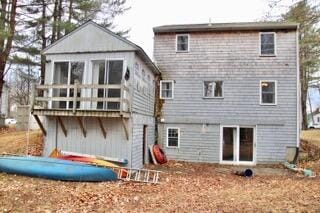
[
  {"x": 196, "y": 187},
  {"x": 184, "y": 187}
]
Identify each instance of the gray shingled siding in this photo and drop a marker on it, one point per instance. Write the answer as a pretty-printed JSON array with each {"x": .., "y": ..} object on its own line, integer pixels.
[{"x": 232, "y": 57}]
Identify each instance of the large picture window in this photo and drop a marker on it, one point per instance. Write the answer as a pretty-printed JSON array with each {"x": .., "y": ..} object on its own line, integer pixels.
[
  {"x": 67, "y": 73},
  {"x": 173, "y": 137},
  {"x": 107, "y": 72},
  {"x": 268, "y": 92},
  {"x": 267, "y": 44},
  {"x": 213, "y": 89}
]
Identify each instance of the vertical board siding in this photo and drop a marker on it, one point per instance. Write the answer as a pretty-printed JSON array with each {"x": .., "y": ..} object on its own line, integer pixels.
[
  {"x": 114, "y": 145},
  {"x": 232, "y": 57},
  {"x": 137, "y": 138}
]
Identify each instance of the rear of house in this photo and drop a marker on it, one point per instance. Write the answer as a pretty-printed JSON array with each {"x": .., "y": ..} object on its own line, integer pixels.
[
  {"x": 230, "y": 91},
  {"x": 98, "y": 96}
]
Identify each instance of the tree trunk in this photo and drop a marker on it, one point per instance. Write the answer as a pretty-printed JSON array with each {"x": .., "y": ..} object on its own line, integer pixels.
[
  {"x": 44, "y": 41},
  {"x": 60, "y": 12},
  {"x": 304, "y": 122},
  {"x": 54, "y": 24},
  {"x": 5, "y": 46}
]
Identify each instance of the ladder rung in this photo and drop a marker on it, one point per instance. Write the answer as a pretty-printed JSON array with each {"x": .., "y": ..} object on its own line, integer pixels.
[{"x": 139, "y": 175}]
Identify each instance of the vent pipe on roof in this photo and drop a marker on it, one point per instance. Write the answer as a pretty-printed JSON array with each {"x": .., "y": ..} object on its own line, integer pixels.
[{"x": 210, "y": 22}]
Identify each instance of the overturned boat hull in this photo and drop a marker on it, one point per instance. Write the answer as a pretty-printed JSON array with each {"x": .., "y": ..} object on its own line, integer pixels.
[{"x": 55, "y": 169}]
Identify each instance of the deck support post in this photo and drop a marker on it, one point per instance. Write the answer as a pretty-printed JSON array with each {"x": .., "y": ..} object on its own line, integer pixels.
[
  {"x": 103, "y": 130},
  {"x": 64, "y": 130},
  {"x": 40, "y": 125},
  {"x": 125, "y": 127},
  {"x": 84, "y": 131}
]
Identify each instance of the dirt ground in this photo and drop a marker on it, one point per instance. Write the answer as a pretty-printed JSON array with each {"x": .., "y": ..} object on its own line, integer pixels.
[{"x": 184, "y": 187}]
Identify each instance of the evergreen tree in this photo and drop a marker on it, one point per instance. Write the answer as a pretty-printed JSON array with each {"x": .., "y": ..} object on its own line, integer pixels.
[
  {"x": 308, "y": 17},
  {"x": 7, "y": 30}
]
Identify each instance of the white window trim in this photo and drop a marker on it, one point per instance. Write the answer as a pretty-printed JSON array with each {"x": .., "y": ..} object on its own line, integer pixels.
[
  {"x": 237, "y": 147},
  {"x": 275, "y": 93},
  {"x": 182, "y": 51},
  {"x": 167, "y": 138},
  {"x": 84, "y": 77},
  {"x": 166, "y": 81},
  {"x": 213, "y": 97},
  {"x": 275, "y": 45}
]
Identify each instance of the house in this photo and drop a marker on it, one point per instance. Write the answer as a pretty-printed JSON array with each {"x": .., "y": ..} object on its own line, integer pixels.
[
  {"x": 4, "y": 101},
  {"x": 98, "y": 96},
  {"x": 314, "y": 118},
  {"x": 230, "y": 91}
]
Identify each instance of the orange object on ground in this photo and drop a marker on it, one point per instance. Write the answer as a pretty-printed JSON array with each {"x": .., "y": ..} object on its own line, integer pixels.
[{"x": 159, "y": 154}]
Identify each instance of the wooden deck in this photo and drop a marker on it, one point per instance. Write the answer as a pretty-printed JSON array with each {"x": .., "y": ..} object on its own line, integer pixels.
[{"x": 80, "y": 113}]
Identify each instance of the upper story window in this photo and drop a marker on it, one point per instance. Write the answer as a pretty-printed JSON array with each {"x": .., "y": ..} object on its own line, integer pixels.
[
  {"x": 173, "y": 137},
  {"x": 213, "y": 89},
  {"x": 166, "y": 89},
  {"x": 267, "y": 43},
  {"x": 182, "y": 42},
  {"x": 268, "y": 92}
]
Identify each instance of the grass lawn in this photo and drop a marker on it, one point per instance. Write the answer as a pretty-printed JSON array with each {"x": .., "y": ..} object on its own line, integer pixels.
[{"x": 312, "y": 136}]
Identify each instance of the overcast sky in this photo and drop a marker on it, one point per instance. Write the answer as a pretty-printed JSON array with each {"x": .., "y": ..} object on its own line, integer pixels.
[{"x": 146, "y": 14}]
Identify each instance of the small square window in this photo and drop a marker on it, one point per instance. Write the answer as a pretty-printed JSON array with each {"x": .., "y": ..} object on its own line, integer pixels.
[
  {"x": 213, "y": 89},
  {"x": 182, "y": 42},
  {"x": 166, "y": 89},
  {"x": 268, "y": 91},
  {"x": 267, "y": 44},
  {"x": 173, "y": 137}
]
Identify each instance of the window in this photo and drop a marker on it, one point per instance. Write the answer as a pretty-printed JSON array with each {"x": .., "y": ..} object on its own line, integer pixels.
[
  {"x": 173, "y": 137},
  {"x": 267, "y": 44},
  {"x": 67, "y": 73},
  {"x": 166, "y": 89},
  {"x": 213, "y": 89},
  {"x": 268, "y": 90},
  {"x": 107, "y": 72},
  {"x": 182, "y": 42}
]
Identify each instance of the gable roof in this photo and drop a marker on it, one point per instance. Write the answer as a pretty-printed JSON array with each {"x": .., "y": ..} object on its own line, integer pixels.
[
  {"x": 240, "y": 26},
  {"x": 108, "y": 41}
]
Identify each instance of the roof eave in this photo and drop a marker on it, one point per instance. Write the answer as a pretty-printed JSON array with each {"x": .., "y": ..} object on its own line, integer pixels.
[{"x": 178, "y": 29}]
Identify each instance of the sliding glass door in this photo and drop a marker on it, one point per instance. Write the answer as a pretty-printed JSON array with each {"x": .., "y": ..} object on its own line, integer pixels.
[
  {"x": 67, "y": 73},
  {"x": 237, "y": 144},
  {"x": 107, "y": 72}
]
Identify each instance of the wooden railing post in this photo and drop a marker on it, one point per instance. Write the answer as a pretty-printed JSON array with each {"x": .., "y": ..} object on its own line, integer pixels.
[
  {"x": 121, "y": 96},
  {"x": 33, "y": 96},
  {"x": 75, "y": 94}
]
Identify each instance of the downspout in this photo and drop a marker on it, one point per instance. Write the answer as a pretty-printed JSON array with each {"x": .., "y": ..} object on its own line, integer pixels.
[
  {"x": 298, "y": 88},
  {"x": 298, "y": 97}
]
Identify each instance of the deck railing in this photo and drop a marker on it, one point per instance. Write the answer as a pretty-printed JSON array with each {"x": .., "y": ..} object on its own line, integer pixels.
[{"x": 81, "y": 97}]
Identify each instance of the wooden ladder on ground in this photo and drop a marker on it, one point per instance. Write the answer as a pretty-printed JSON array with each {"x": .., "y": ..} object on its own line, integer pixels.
[{"x": 139, "y": 175}]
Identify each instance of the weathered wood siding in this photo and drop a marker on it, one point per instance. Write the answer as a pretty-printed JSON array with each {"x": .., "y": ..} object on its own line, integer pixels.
[
  {"x": 114, "y": 145},
  {"x": 142, "y": 111},
  {"x": 232, "y": 57},
  {"x": 137, "y": 138},
  {"x": 89, "y": 38},
  {"x": 198, "y": 143},
  {"x": 143, "y": 88}
]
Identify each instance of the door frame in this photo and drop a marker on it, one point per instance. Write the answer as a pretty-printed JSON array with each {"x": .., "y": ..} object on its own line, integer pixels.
[
  {"x": 237, "y": 145},
  {"x": 51, "y": 81},
  {"x": 106, "y": 74},
  {"x": 144, "y": 144}
]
